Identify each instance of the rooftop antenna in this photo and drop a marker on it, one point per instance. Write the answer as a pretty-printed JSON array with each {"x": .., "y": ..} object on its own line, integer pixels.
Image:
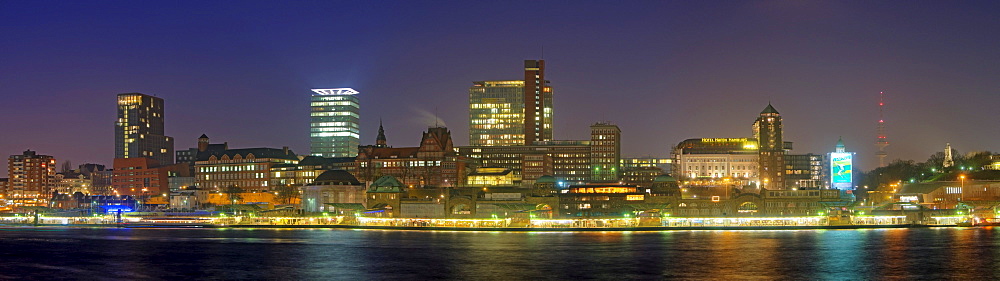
[{"x": 880, "y": 140}]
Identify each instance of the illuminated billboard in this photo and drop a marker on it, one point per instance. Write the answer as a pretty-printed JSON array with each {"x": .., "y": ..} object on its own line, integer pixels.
[{"x": 840, "y": 170}]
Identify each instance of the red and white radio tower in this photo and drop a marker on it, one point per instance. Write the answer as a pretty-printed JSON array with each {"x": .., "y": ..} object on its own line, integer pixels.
[{"x": 881, "y": 142}]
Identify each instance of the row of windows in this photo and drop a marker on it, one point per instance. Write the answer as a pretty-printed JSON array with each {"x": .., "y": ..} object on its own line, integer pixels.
[
  {"x": 235, "y": 176},
  {"x": 233, "y": 168}
]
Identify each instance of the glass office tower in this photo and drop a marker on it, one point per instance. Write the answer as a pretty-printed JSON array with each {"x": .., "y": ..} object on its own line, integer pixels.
[{"x": 334, "y": 123}]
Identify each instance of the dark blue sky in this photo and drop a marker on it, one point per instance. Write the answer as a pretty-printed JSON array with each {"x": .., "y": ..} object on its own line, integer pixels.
[{"x": 240, "y": 71}]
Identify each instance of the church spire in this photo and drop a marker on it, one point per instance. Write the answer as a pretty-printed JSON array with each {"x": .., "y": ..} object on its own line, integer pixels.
[{"x": 380, "y": 140}]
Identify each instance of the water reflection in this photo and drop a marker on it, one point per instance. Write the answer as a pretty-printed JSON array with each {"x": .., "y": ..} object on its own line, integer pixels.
[{"x": 938, "y": 253}]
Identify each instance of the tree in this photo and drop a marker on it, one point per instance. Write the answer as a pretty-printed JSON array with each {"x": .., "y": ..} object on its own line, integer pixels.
[
  {"x": 234, "y": 193},
  {"x": 67, "y": 167},
  {"x": 286, "y": 193}
]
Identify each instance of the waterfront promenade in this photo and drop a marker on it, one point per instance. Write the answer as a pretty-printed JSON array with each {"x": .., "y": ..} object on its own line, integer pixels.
[{"x": 507, "y": 224}]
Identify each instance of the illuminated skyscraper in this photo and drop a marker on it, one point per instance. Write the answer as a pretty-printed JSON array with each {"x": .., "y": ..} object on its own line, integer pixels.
[
  {"x": 771, "y": 149},
  {"x": 511, "y": 112},
  {"x": 334, "y": 129},
  {"x": 139, "y": 130}
]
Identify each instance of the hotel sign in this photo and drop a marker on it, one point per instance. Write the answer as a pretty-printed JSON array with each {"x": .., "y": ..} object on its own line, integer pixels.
[{"x": 724, "y": 140}]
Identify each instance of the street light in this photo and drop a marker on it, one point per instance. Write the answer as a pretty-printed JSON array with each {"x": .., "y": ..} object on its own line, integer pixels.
[{"x": 962, "y": 178}]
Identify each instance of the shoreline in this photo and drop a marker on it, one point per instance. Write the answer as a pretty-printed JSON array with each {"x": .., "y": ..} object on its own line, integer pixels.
[{"x": 488, "y": 229}]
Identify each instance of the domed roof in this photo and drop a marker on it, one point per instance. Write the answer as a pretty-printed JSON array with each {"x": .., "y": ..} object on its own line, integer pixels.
[
  {"x": 664, "y": 178},
  {"x": 546, "y": 179},
  {"x": 336, "y": 177}
]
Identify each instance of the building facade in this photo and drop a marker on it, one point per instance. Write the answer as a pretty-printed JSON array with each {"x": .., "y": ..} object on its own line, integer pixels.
[
  {"x": 334, "y": 123},
  {"x": 569, "y": 161},
  {"x": 511, "y": 112},
  {"x": 641, "y": 171},
  {"x": 605, "y": 152},
  {"x": 249, "y": 169},
  {"x": 32, "y": 179},
  {"x": 806, "y": 171},
  {"x": 537, "y": 103},
  {"x": 487, "y": 176},
  {"x": 496, "y": 113},
  {"x": 771, "y": 148},
  {"x": 706, "y": 161},
  {"x": 333, "y": 187},
  {"x": 144, "y": 176},
  {"x": 139, "y": 129},
  {"x": 432, "y": 164}
]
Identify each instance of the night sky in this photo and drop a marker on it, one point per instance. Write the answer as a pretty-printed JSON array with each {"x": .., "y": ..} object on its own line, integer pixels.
[{"x": 240, "y": 71}]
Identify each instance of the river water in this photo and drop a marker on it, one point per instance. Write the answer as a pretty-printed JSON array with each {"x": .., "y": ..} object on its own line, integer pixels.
[{"x": 309, "y": 254}]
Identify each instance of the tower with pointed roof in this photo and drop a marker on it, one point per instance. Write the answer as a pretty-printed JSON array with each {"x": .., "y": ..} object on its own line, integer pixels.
[
  {"x": 380, "y": 140},
  {"x": 771, "y": 161},
  {"x": 202, "y": 143}
]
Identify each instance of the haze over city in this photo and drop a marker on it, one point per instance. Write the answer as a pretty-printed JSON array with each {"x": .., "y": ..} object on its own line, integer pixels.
[{"x": 663, "y": 72}]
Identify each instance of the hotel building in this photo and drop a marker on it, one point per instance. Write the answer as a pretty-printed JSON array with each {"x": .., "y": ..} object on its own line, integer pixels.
[
  {"x": 707, "y": 161},
  {"x": 334, "y": 119}
]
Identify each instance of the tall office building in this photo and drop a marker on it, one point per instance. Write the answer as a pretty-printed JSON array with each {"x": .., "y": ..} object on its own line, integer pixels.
[
  {"x": 334, "y": 123},
  {"x": 511, "y": 112},
  {"x": 32, "y": 179},
  {"x": 771, "y": 148},
  {"x": 605, "y": 152},
  {"x": 139, "y": 130},
  {"x": 537, "y": 103}
]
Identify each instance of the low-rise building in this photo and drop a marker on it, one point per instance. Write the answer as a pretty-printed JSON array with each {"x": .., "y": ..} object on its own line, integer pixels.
[
  {"x": 949, "y": 194},
  {"x": 700, "y": 161},
  {"x": 490, "y": 176},
  {"x": 334, "y": 190},
  {"x": 189, "y": 199},
  {"x": 144, "y": 177},
  {"x": 249, "y": 169}
]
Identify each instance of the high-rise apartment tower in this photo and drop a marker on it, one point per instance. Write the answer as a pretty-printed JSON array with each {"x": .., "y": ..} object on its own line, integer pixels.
[
  {"x": 139, "y": 129},
  {"x": 334, "y": 123},
  {"x": 32, "y": 179},
  {"x": 771, "y": 149}
]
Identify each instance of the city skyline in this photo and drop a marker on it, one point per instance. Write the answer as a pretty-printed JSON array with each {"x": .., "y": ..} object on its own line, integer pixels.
[{"x": 699, "y": 81}]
